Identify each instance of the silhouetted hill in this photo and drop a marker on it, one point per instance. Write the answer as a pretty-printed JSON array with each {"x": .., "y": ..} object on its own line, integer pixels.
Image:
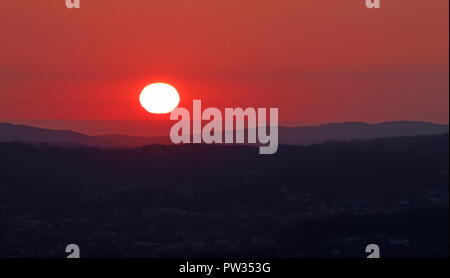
[
  {"x": 34, "y": 135},
  {"x": 356, "y": 130},
  {"x": 324, "y": 200},
  {"x": 305, "y": 135}
]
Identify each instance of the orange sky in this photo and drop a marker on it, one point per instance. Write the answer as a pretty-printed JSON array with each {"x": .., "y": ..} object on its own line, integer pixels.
[{"x": 317, "y": 61}]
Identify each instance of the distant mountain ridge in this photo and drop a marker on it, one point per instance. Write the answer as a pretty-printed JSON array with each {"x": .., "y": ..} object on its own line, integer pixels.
[
  {"x": 304, "y": 135},
  {"x": 357, "y": 130},
  {"x": 34, "y": 135}
]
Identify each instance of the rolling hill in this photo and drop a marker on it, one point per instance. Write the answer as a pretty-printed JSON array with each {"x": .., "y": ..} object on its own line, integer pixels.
[{"x": 304, "y": 135}]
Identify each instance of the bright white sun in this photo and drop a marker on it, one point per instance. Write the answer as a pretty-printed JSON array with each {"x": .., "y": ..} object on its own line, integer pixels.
[{"x": 159, "y": 98}]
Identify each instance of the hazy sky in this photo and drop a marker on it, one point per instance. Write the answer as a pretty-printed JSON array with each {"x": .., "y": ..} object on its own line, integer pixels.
[{"x": 317, "y": 61}]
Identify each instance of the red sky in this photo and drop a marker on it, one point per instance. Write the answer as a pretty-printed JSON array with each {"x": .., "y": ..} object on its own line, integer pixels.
[{"x": 317, "y": 61}]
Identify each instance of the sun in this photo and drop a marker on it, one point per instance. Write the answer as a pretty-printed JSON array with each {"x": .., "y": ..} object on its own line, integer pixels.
[{"x": 159, "y": 98}]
